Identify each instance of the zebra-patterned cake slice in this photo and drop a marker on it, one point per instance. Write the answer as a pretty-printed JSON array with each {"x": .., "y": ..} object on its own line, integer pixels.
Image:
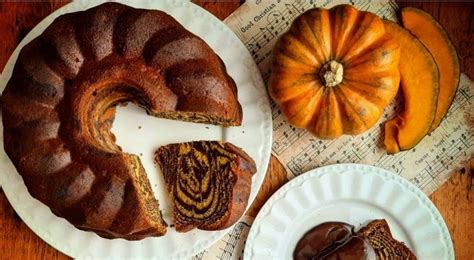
[{"x": 208, "y": 183}]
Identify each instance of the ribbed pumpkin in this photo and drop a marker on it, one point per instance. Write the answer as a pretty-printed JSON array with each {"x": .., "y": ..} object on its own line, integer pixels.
[{"x": 335, "y": 71}]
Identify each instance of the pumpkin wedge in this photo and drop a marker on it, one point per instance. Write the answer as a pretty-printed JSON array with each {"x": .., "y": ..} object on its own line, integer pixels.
[
  {"x": 424, "y": 27},
  {"x": 420, "y": 86}
]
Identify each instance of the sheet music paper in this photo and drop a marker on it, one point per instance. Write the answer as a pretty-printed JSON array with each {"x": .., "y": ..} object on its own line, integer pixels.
[
  {"x": 232, "y": 245},
  {"x": 258, "y": 24}
]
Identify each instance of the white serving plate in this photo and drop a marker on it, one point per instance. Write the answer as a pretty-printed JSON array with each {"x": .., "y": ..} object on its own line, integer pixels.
[
  {"x": 351, "y": 193},
  {"x": 141, "y": 134}
]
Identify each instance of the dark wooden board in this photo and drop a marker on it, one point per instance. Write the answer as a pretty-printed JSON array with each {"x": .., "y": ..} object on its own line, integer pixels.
[{"x": 455, "y": 199}]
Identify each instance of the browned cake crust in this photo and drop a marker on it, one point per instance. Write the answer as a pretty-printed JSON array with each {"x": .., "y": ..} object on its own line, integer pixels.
[
  {"x": 58, "y": 108},
  {"x": 377, "y": 232},
  {"x": 208, "y": 182}
]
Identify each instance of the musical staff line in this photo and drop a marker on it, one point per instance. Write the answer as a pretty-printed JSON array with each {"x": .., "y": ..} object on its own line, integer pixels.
[
  {"x": 233, "y": 239},
  {"x": 199, "y": 256},
  {"x": 459, "y": 101}
]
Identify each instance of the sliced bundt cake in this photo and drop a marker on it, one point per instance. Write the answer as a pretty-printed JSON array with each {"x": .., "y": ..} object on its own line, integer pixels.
[
  {"x": 208, "y": 183},
  {"x": 58, "y": 108},
  {"x": 378, "y": 234}
]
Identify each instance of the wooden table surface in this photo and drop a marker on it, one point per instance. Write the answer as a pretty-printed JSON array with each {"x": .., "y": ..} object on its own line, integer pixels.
[{"x": 455, "y": 199}]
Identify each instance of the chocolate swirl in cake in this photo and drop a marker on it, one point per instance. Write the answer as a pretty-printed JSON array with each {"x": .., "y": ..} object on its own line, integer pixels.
[
  {"x": 377, "y": 232},
  {"x": 208, "y": 182}
]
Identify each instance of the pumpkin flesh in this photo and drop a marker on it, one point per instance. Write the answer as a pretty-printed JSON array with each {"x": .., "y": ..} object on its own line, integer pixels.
[
  {"x": 420, "y": 86},
  {"x": 426, "y": 29},
  {"x": 334, "y": 71}
]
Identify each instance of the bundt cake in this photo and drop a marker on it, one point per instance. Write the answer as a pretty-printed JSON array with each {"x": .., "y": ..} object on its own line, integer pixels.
[
  {"x": 208, "y": 183},
  {"x": 59, "y": 105}
]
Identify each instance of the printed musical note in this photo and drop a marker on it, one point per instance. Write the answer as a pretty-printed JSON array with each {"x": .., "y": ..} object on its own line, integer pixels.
[
  {"x": 233, "y": 239},
  {"x": 199, "y": 256}
]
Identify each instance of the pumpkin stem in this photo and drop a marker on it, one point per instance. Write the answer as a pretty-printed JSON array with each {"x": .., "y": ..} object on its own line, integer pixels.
[{"x": 331, "y": 73}]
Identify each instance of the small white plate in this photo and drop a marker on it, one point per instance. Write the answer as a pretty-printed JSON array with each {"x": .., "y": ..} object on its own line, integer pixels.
[
  {"x": 141, "y": 134},
  {"x": 351, "y": 193}
]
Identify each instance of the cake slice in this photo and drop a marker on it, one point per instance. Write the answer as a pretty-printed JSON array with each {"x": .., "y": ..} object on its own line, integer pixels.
[
  {"x": 378, "y": 234},
  {"x": 208, "y": 183}
]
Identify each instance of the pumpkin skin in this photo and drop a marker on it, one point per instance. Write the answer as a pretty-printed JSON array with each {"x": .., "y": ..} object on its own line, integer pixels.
[
  {"x": 429, "y": 32},
  {"x": 335, "y": 71}
]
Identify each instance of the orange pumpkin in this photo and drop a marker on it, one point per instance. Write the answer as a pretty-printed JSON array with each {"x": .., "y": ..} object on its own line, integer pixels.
[{"x": 335, "y": 71}]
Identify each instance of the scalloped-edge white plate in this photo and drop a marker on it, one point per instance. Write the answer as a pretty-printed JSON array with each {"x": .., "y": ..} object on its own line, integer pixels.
[
  {"x": 141, "y": 134},
  {"x": 351, "y": 193}
]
